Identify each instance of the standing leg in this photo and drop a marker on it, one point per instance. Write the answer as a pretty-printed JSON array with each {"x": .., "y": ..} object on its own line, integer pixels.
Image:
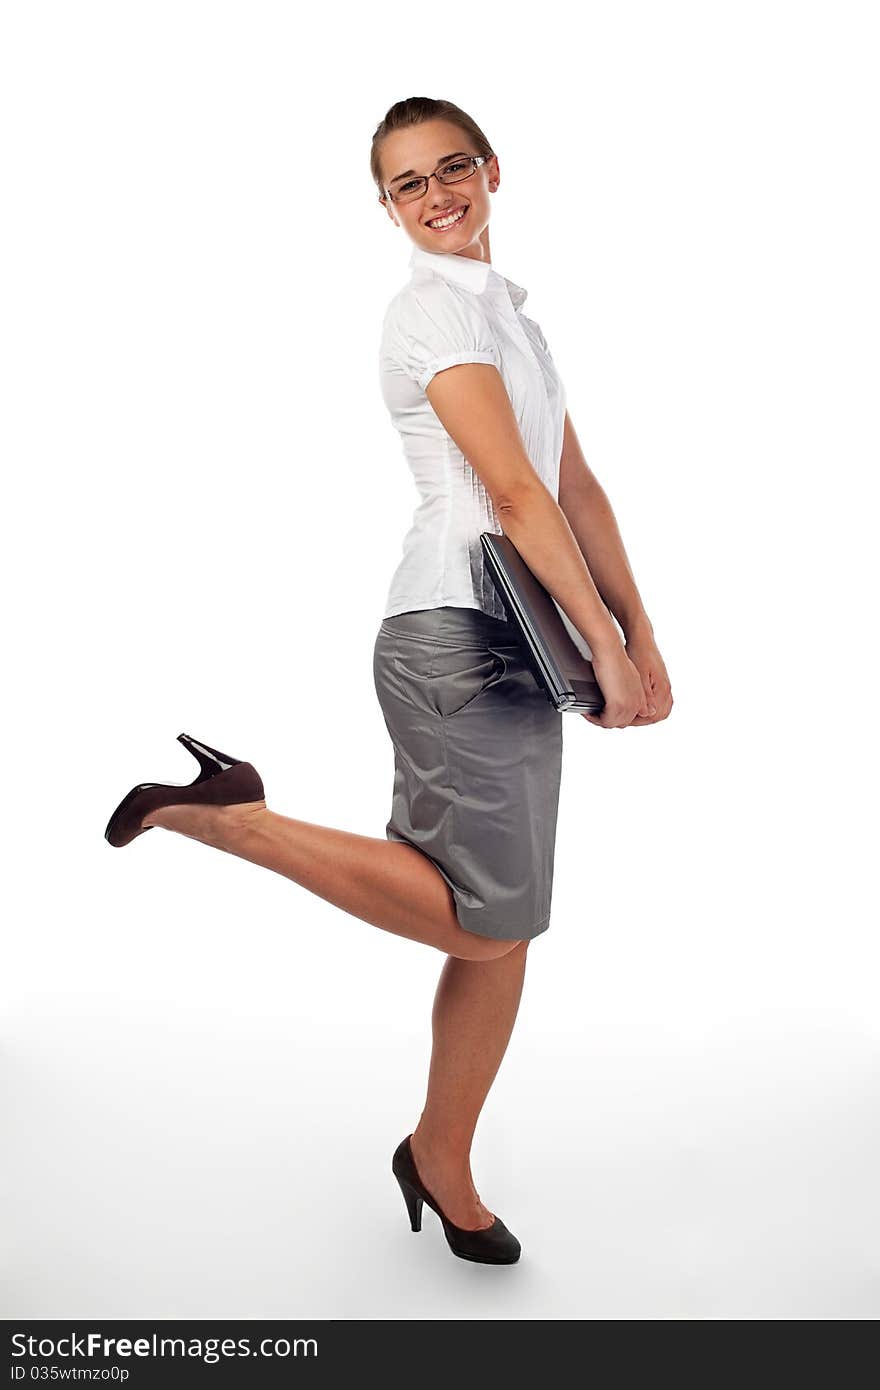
[{"x": 474, "y": 1012}]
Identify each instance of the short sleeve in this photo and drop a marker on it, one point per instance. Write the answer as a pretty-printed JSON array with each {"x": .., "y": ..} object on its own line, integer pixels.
[{"x": 436, "y": 325}]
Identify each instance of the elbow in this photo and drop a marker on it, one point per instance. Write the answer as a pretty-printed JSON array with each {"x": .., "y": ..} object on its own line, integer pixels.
[{"x": 519, "y": 497}]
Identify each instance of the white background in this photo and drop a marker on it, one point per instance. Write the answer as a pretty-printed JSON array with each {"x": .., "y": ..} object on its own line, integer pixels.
[{"x": 205, "y": 1069}]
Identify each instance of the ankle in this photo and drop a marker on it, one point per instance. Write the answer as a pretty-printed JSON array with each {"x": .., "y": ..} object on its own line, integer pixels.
[
  {"x": 444, "y": 1149},
  {"x": 235, "y": 823},
  {"x": 222, "y": 827}
]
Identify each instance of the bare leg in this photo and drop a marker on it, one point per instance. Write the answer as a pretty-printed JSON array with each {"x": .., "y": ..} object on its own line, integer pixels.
[
  {"x": 388, "y": 884},
  {"x": 396, "y": 888},
  {"x": 475, "y": 1008}
]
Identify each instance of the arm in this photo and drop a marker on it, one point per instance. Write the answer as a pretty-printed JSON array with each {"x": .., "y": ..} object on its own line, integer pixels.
[
  {"x": 472, "y": 403},
  {"x": 593, "y": 523}
]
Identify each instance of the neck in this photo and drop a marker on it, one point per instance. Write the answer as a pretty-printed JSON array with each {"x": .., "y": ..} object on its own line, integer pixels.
[{"x": 480, "y": 252}]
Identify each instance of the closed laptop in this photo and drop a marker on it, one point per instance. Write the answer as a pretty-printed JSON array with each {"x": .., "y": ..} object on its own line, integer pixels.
[{"x": 550, "y": 643}]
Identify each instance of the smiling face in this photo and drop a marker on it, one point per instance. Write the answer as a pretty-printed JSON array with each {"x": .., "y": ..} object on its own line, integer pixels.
[{"x": 419, "y": 150}]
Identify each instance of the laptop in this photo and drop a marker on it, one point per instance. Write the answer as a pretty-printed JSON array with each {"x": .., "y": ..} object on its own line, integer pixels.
[{"x": 558, "y": 656}]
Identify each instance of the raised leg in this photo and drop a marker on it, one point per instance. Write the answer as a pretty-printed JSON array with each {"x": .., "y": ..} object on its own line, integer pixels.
[{"x": 390, "y": 885}]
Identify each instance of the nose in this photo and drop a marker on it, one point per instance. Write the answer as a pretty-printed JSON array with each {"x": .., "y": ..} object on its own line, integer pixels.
[
  {"x": 438, "y": 196},
  {"x": 439, "y": 188}
]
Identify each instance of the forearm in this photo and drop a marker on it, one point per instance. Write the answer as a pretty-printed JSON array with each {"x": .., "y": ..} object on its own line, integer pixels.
[
  {"x": 595, "y": 529},
  {"x": 543, "y": 537}
]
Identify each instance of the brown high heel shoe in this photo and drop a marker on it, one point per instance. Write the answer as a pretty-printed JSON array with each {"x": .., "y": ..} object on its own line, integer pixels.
[
  {"x": 489, "y": 1245},
  {"x": 222, "y": 781}
]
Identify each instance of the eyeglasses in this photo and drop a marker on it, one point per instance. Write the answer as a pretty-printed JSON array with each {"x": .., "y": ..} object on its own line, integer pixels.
[{"x": 453, "y": 171}]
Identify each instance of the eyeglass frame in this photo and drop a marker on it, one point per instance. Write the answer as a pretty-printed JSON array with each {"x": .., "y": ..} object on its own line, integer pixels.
[{"x": 476, "y": 159}]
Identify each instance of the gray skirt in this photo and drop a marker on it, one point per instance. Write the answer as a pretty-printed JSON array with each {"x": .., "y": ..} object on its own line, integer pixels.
[{"x": 477, "y": 763}]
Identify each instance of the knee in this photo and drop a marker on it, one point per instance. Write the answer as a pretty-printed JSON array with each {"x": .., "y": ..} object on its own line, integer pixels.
[
  {"x": 487, "y": 948},
  {"x": 517, "y": 947}
]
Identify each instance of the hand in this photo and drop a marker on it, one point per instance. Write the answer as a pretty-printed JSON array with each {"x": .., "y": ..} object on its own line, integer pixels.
[
  {"x": 626, "y": 698},
  {"x": 644, "y": 655}
]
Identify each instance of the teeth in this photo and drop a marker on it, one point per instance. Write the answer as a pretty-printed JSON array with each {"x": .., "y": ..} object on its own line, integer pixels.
[{"x": 447, "y": 221}]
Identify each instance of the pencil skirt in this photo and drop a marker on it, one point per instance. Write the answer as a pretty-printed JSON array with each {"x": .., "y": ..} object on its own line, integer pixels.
[{"x": 477, "y": 763}]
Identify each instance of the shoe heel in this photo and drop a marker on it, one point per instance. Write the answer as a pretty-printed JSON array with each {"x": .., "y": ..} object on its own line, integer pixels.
[
  {"x": 494, "y": 1245},
  {"x": 414, "y": 1204},
  {"x": 222, "y": 781},
  {"x": 209, "y": 760}
]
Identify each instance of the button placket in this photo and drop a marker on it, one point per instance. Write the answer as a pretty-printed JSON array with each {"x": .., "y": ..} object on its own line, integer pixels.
[
  {"x": 511, "y": 313},
  {"x": 534, "y": 356}
]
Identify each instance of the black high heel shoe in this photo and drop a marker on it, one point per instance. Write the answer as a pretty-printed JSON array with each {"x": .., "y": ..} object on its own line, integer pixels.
[
  {"x": 222, "y": 781},
  {"x": 493, "y": 1245}
]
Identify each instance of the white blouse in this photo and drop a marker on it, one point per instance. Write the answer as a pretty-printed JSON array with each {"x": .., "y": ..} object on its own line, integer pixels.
[{"x": 455, "y": 309}]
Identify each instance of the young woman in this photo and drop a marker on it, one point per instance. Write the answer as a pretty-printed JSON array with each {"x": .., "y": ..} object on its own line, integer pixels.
[{"x": 466, "y": 865}]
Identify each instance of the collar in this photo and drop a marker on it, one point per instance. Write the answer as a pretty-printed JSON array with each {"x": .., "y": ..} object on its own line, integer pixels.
[{"x": 464, "y": 270}]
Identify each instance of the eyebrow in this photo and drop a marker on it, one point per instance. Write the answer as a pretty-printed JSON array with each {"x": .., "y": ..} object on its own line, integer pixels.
[{"x": 442, "y": 160}]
